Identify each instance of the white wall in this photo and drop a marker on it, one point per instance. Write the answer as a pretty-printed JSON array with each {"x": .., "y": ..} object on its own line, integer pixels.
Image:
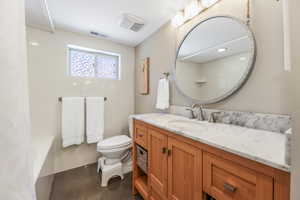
[
  {"x": 221, "y": 76},
  {"x": 16, "y": 174},
  {"x": 161, "y": 49},
  {"x": 268, "y": 81},
  {"x": 294, "y": 95},
  {"x": 49, "y": 80},
  {"x": 187, "y": 74}
]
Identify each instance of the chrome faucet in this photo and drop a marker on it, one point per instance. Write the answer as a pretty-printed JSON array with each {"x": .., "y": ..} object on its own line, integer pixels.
[{"x": 200, "y": 114}]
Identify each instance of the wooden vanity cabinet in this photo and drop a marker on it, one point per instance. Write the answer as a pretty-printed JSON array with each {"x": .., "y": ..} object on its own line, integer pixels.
[{"x": 183, "y": 169}]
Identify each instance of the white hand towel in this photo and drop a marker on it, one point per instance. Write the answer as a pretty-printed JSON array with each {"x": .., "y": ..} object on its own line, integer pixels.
[
  {"x": 72, "y": 121},
  {"x": 163, "y": 101},
  {"x": 94, "y": 119}
]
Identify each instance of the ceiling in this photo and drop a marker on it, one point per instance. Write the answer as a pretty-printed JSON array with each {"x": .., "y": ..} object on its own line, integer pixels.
[
  {"x": 203, "y": 43},
  {"x": 234, "y": 47},
  {"x": 102, "y": 16}
]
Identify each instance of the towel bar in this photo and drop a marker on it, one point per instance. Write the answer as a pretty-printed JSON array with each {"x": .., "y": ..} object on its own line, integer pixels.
[{"x": 60, "y": 99}]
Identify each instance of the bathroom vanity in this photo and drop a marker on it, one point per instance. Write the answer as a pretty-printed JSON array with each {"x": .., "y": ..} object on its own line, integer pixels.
[
  {"x": 177, "y": 158},
  {"x": 192, "y": 160}
]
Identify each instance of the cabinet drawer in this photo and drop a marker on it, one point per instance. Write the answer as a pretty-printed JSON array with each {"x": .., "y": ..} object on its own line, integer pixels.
[
  {"x": 226, "y": 180},
  {"x": 140, "y": 135}
]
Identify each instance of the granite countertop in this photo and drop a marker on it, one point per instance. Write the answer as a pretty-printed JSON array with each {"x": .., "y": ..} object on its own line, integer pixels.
[{"x": 258, "y": 145}]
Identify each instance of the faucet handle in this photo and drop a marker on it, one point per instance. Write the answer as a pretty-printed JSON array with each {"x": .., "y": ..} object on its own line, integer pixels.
[
  {"x": 212, "y": 116},
  {"x": 192, "y": 112},
  {"x": 200, "y": 114},
  {"x": 195, "y": 105}
]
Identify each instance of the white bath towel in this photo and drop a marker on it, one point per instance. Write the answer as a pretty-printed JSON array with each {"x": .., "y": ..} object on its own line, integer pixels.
[
  {"x": 163, "y": 101},
  {"x": 94, "y": 119},
  {"x": 72, "y": 121}
]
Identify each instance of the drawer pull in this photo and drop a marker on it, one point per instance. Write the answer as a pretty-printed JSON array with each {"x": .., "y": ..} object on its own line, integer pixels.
[
  {"x": 229, "y": 187},
  {"x": 140, "y": 135},
  {"x": 164, "y": 150}
]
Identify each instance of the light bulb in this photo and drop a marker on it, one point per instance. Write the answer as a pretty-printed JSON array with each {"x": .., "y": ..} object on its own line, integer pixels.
[
  {"x": 208, "y": 3},
  {"x": 35, "y": 44},
  {"x": 178, "y": 19},
  {"x": 192, "y": 10},
  {"x": 222, "y": 50}
]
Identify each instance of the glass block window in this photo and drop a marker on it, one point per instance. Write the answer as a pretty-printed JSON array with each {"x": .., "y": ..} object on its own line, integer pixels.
[{"x": 93, "y": 63}]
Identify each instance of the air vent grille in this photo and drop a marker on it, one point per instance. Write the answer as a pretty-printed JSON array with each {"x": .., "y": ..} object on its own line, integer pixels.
[
  {"x": 136, "y": 27},
  {"x": 132, "y": 22},
  {"x": 94, "y": 33}
]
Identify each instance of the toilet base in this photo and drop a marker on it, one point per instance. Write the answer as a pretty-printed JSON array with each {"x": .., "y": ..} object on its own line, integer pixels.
[
  {"x": 109, "y": 171},
  {"x": 127, "y": 166}
]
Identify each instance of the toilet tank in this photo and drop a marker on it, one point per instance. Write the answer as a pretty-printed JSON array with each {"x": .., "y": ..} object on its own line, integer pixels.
[{"x": 130, "y": 125}]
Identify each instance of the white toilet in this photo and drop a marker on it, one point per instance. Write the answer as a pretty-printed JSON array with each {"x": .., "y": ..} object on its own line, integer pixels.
[{"x": 114, "y": 150}]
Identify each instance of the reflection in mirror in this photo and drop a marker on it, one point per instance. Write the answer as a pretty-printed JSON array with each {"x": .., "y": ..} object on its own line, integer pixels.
[{"x": 214, "y": 59}]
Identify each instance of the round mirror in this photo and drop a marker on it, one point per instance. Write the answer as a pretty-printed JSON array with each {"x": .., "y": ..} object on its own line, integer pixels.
[{"x": 215, "y": 59}]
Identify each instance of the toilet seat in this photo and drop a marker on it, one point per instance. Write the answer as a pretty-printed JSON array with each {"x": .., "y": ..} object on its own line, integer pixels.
[
  {"x": 114, "y": 143},
  {"x": 114, "y": 149}
]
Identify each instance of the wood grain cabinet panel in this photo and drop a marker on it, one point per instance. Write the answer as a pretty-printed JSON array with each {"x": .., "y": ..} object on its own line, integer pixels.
[
  {"x": 156, "y": 196},
  {"x": 184, "y": 171},
  {"x": 157, "y": 160},
  {"x": 226, "y": 180}
]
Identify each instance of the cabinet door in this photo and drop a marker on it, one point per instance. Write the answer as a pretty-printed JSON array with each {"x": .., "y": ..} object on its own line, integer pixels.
[
  {"x": 157, "y": 155},
  {"x": 184, "y": 171}
]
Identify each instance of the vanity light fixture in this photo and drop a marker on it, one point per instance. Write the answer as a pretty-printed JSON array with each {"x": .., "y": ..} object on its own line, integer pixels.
[
  {"x": 208, "y": 3},
  {"x": 193, "y": 9},
  {"x": 178, "y": 19},
  {"x": 220, "y": 50}
]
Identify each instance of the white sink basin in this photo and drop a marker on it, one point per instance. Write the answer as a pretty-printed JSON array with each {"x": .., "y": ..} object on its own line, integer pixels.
[
  {"x": 190, "y": 125},
  {"x": 188, "y": 122}
]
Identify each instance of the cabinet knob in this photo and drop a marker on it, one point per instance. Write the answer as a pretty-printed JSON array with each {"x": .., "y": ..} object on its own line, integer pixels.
[
  {"x": 229, "y": 187},
  {"x": 164, "y": 150}
]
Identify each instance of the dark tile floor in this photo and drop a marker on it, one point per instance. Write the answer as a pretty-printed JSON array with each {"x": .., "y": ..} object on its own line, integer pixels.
[{"x": 84, "y": 184}]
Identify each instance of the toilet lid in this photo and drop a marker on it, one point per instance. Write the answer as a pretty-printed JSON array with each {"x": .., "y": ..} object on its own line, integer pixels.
[{"x": 114, "y": 142}]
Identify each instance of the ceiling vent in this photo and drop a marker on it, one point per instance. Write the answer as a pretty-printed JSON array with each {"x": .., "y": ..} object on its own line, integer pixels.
[
  {"x": 94, "y": 33},
  {"x": 132, "y": 22}
]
